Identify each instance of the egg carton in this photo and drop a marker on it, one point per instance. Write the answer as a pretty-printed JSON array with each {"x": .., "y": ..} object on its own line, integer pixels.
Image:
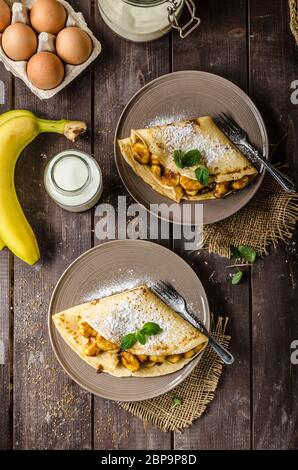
[{"x": 46, "y": 42}]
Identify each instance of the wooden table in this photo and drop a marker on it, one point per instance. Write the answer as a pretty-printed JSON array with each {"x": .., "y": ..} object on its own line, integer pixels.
[{"x": 248, "y": 42}]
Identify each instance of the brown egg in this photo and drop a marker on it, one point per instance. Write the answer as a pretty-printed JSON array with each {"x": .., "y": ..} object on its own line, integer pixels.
[
  {"x": 19, "y": 41},
  {"x": 45, "y": 70},
  {"x": 48, "y": 16},
  {"x": 5, "y": 15},
  {"x": 73, "y": 45}
]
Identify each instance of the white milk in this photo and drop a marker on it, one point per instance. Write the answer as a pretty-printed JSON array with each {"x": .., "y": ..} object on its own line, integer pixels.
[
  {"x": 137, "y": 23},
  {"x": 73, "y": 180},
  {"x": 71, "y": 173}
]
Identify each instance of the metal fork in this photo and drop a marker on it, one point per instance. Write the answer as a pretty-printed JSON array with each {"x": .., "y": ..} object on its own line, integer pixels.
[
  {"x": 238, "y": 136},
  {"x": 174, "y": 300}
]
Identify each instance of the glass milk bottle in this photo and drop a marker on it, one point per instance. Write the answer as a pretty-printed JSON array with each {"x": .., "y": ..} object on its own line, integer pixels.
[
  {"x": 73, "y": 180},
  {"x": 146, "y": 20}
]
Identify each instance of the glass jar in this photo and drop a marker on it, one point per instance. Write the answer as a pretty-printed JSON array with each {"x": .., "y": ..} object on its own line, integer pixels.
[
  {"x": 146, "y": 20},
  {"x": 73, "y": 179}
]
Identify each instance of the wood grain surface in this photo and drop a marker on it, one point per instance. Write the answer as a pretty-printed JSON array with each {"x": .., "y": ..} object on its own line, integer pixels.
[
  {"x": 6, "y": 316},
  {"x": 230, "y": 411},
  {"x": 274, "y": 279},
  {"x": 255, "y": 406},
  {"x": 114, "y": 86}
]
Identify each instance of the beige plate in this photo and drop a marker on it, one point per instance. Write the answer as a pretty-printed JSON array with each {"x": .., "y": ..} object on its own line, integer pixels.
[
  {"x": 113, "y": 267},
  {"x": 190, "y": 94}
]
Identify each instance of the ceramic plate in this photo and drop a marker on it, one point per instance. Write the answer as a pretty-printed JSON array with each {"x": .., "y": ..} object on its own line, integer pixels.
[
  {"x": 184, "y": 95},
  {"x": 110, "y": 268}
]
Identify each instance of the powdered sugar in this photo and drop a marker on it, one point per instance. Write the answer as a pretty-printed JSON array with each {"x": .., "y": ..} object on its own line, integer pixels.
[
  {"x": 113, "y": 287},
  {"x": 185, "y": 138},
  {"x": 164, "y": 120},
  {"x": 128, "y": 313},
  {"x": 134, "y": 309}
]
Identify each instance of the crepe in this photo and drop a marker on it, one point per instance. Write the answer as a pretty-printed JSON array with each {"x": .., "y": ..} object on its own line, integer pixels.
[
  {"x": 113, "y": 317},
  {"x": 150, "y": 153}
]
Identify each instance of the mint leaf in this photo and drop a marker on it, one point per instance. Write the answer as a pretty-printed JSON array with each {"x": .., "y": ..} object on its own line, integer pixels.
[
  {"x": 247, "y": 253},
  {"x": 237, "y": 277},
  {"x": 244, "y": 252},
  {"x": 151, "y": 329},
  {"x": 191, "y": 158},
  {"x": 187, "y": 159},
  {"x": 128, "y": 341},
  {"x": 141, "y": 338},
  {"x": 235, "y": 253},
  {"x": 202, "y": 175},
  {"x": 178, "y": 154},
  {"x": 177, "y": 401}
]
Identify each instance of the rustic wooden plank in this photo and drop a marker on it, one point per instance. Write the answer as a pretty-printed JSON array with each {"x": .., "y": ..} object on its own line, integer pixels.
[
  {"x": 50, "y": 410},
  {"x": 273, "y": 67},
  {"x": 122, "y": 70},
  {"x": 219, "y": 46},
  {"x": 5, "y": 317}
]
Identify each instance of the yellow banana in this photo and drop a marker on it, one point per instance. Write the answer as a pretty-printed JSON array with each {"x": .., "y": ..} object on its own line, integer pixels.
[
  {"x": 3, "y": 118},
  {"x": 17, "y": 129}
]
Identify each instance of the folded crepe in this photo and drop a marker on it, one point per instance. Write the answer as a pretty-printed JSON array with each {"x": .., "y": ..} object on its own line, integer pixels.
[
  {"x": 95, "y": 330},
  {"x": 150, "y": 153}
]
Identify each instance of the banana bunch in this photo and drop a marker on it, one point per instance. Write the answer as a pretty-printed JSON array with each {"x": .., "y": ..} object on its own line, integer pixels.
[{"x": 17, "y": 129}]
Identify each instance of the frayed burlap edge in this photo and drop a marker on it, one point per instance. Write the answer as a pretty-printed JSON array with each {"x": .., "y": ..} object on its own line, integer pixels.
[
  {"x": 195, "y": 392},
  {"x": 270, "y": 216},
  {"x": 293, "y": 5}
]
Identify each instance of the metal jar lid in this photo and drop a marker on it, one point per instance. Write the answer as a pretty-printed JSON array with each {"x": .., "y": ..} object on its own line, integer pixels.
[
  {"x": 173, "y": 8},
  {"x": 191, "y": 25}
]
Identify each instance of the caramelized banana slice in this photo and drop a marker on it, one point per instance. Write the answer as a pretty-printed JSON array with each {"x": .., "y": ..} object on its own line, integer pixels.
[
  {"x": 149, "y": 364},
  {"x": 141, "y": 153},
  {"x": 221, "y": 189},
  {"x": 85, "y": 329},
  {"x": 105, "y": 345},
  {"x": 156, "y": 169},
  {"x": 154, "y": 160},
  {"x": 189, "y": 354},
  {"x": 157, "y": 358},
  {"x": 91, "y": 349},
  {"x": 189, "y": 184},
  {"x": 174, "y": 358},
  {"x": 240, "y": 184},
  {"x": 142, "y": 357},
  {"x": 193, "y": 351},
  {"x": 191, "y": 193},
  {"x": 170, "y": 178},
  {"x": 130, "y": 361}
]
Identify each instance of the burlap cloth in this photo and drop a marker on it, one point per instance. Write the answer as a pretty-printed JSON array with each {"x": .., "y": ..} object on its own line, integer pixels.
[
  {"x": 293, "y": 5},
  {"x": 195, "y": 392},
  {"x": 269, "y": 216}
]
